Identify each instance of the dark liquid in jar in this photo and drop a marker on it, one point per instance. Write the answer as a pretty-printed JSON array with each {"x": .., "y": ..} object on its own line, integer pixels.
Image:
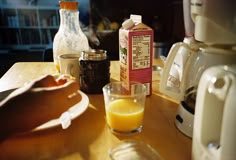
[{"x": 94, "y": 75}]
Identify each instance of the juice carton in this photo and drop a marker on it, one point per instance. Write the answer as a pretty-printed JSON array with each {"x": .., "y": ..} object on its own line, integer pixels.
[{"x": 135, "y": 52}]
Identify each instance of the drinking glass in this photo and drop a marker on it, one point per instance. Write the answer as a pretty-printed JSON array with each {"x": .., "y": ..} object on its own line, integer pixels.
[{"x": 124, "y": 105}]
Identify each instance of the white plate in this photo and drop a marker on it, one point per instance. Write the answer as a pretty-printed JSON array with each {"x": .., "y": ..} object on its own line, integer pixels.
[{"x": 74, "y": 112}]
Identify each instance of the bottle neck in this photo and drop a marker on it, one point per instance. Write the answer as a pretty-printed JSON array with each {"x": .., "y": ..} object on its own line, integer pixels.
[{"x": 69, "y": 20}]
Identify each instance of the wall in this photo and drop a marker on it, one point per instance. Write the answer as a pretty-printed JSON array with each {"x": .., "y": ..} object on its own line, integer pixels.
[
  {"x": 169, "y": 13},
  {"x": 164, "y": 16}
]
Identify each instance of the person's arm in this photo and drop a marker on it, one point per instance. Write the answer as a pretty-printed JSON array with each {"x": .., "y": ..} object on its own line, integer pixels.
[{"x": 35, "y": 104}]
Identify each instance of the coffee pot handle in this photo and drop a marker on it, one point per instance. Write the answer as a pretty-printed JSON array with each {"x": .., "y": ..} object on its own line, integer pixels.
[
  {"x": 170, "y": 84},
  {"x": 228, "y": 131},
  {"x": 214, "y": 123}
]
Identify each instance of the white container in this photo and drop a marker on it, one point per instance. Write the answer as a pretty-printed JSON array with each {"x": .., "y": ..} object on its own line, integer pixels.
[{"x": 69, "y": 39}]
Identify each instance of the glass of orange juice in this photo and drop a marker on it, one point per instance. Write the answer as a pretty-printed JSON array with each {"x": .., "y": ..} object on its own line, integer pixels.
[{"x": 124, "y": 104}]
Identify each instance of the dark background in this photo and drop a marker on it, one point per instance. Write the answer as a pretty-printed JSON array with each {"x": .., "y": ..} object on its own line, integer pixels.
[
  {"x": 167, "y": 14},
  {"x": 164, "y": 16}
]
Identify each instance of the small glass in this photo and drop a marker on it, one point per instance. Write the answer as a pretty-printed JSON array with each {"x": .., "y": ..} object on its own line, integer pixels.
[
  {"x": 133, "y": 150},
  {"x": 124, "y": 104}
]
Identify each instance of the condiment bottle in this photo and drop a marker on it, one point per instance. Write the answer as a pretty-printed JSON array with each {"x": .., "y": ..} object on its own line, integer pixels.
[{"x": 69, "y": 39}]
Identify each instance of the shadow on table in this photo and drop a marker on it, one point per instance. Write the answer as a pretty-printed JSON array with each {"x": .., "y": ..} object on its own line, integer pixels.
[{"x": 54, "y": 143}]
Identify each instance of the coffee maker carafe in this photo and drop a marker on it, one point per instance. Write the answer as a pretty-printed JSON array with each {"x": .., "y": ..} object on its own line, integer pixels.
[{"x": 215, "y": 115}]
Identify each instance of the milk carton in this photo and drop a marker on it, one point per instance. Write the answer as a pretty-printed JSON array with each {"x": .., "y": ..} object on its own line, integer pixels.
[{"x": 135, "y": 51}]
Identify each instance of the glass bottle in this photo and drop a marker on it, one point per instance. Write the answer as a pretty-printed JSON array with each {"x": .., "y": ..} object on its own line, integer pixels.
[{"x": 69, "y": 39}]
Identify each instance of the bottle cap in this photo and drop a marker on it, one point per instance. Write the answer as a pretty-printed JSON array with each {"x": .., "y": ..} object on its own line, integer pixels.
[
  {"x": 69, "y": 5},
  {"x": 128, "y": 23}
]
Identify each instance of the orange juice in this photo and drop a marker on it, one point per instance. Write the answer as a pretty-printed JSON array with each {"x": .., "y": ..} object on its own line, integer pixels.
[{"x": 124, "y": 115}]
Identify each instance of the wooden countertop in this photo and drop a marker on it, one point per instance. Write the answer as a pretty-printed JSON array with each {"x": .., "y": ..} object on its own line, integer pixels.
[{"x": 88, "y": 138}]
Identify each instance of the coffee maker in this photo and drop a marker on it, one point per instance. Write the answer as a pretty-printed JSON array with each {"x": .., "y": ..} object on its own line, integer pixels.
[
  {"x": 212, "y": 43},
  {"x": 215, "y": 26},
  {"x": 175, "y": 69},
  {"x": 214, "y": 120}
]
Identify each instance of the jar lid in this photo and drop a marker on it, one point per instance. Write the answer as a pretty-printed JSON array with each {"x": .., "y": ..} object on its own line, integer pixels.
[
  {"x": 69, "y": 5},
  {"x": 94, "y": 54}
]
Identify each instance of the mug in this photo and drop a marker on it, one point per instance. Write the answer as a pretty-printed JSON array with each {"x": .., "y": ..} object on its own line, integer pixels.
[{"x": 69, "y": 65}]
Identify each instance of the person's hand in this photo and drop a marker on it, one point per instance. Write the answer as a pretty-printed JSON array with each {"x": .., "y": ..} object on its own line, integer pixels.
[{"x": 36, "y": 103}]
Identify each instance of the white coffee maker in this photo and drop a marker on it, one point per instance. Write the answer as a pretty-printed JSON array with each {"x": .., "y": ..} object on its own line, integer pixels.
[
  {"x": 212, "y": 43},
  {"x": 175, "y": 69},
  {"x": 214, "y": 120}
]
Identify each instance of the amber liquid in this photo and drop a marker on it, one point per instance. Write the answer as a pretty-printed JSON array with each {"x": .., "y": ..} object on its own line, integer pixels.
[{"x": 57, "y": 67}]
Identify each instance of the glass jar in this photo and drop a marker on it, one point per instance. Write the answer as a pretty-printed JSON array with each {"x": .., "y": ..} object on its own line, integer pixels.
[
  {"x": 69, "y": 39},
  {"x": 94, "y": 71},
  {"x": 134, "y": 150}
]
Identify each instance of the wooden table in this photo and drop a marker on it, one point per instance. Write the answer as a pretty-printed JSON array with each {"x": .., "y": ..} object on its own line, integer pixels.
[{"x": 88, "y": 137}]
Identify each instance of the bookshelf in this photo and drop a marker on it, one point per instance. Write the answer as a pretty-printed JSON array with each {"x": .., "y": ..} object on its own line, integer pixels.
[{"x": 25, "y": 27}]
